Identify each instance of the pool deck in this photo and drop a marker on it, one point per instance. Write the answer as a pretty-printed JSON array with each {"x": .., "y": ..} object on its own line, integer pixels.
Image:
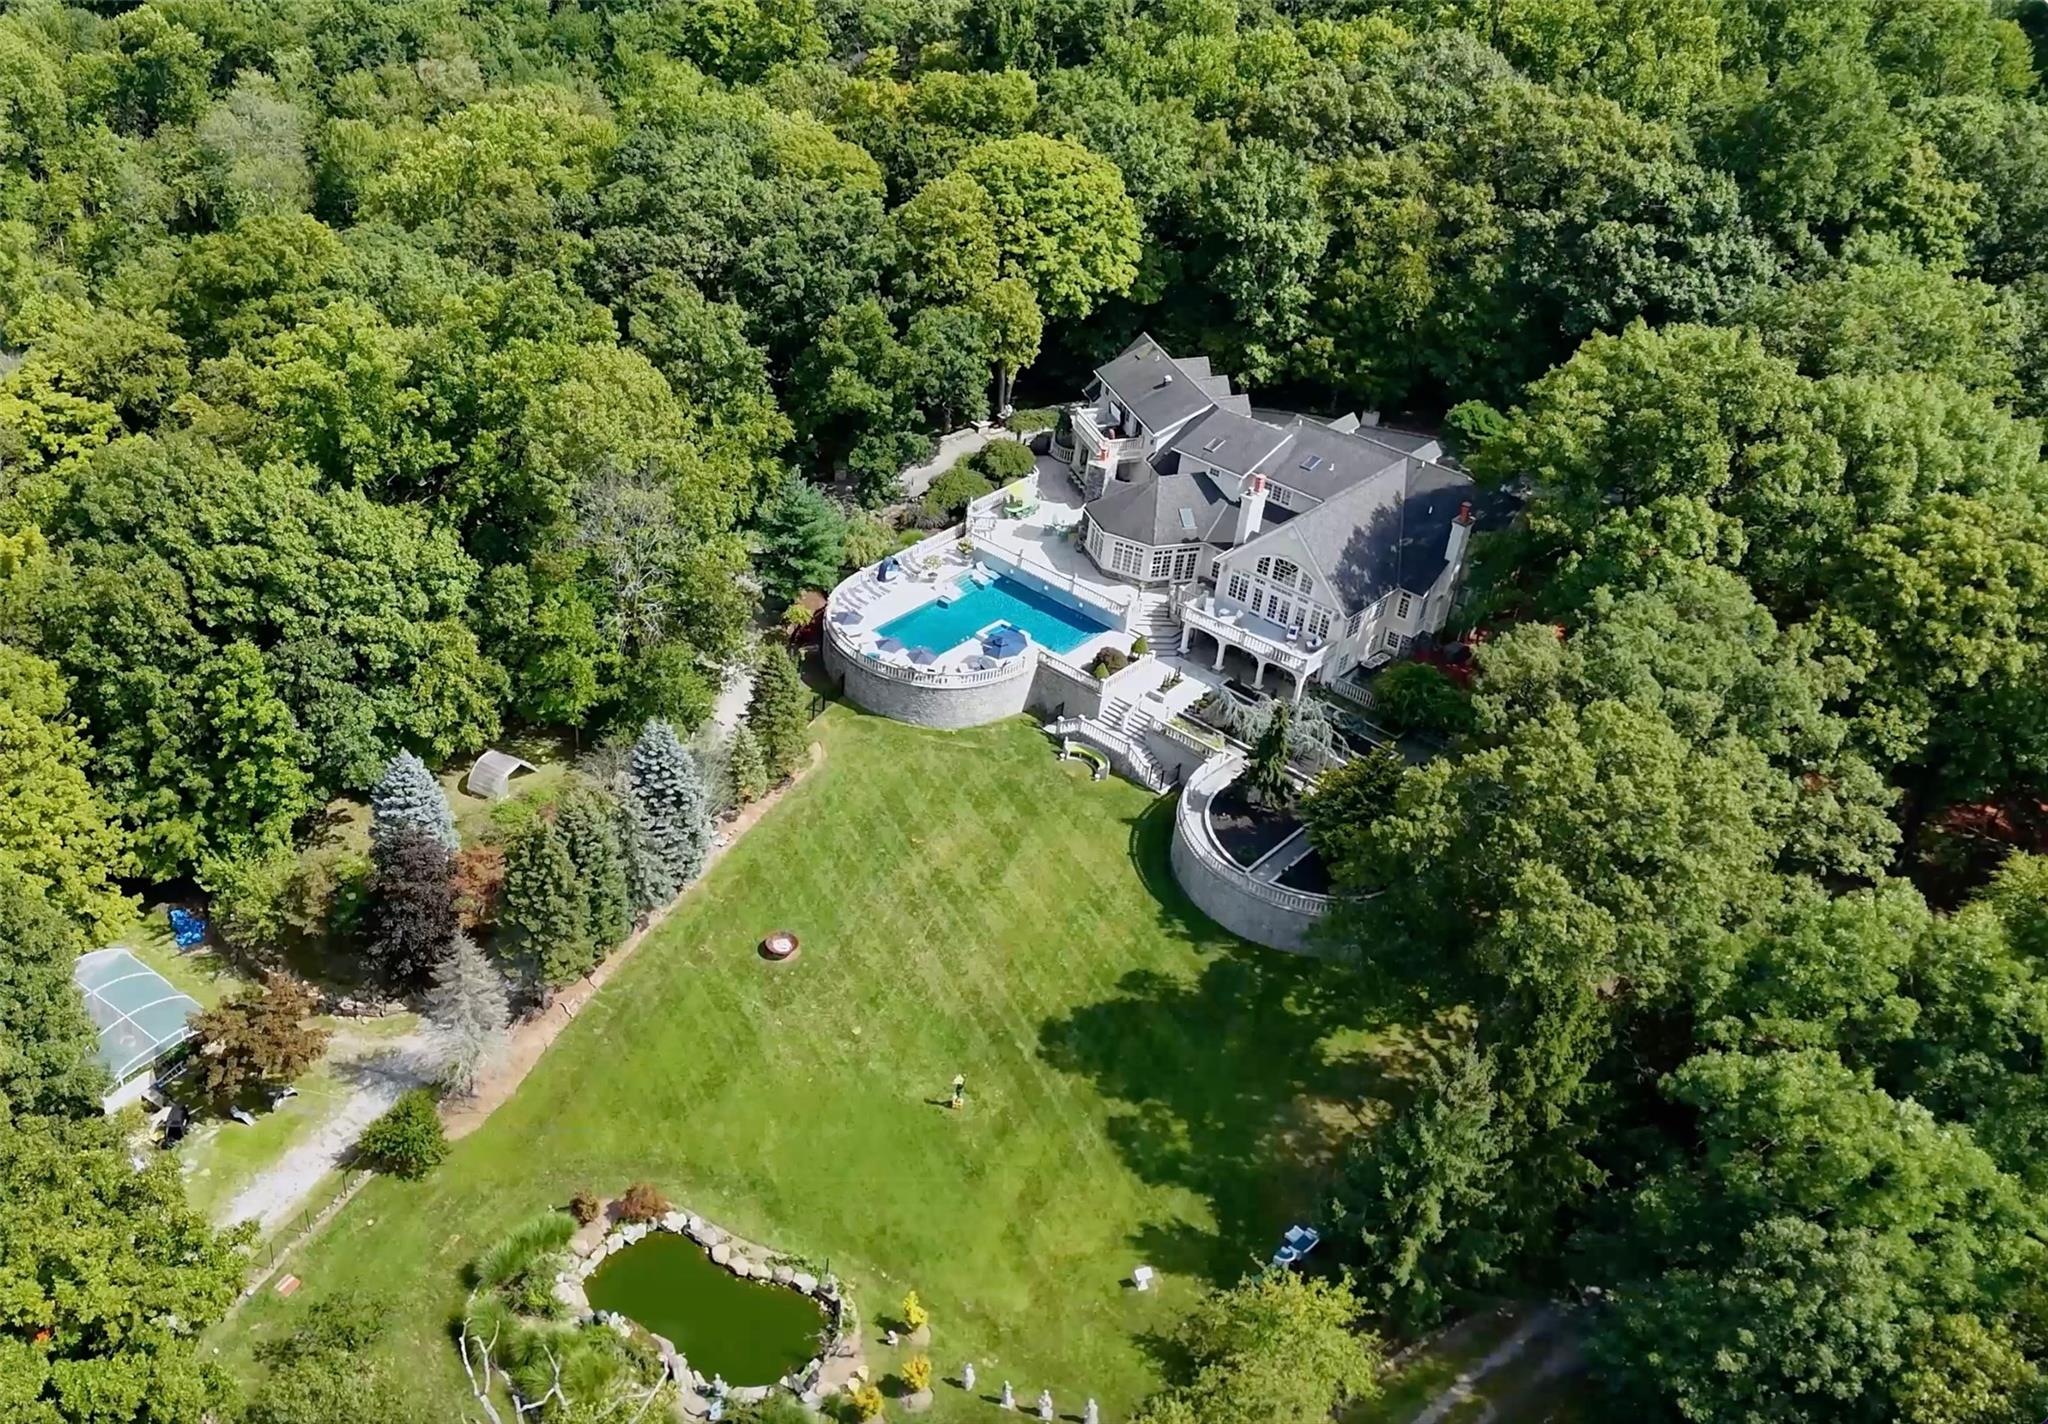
[{"x": 1035, "y": 544}]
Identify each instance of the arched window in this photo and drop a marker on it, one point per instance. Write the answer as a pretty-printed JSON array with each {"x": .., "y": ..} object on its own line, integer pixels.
[{"x": 1284, "y": 573}]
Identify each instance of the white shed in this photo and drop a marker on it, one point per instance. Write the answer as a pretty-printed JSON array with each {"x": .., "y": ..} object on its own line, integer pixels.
[{"x": 491, "y": 775}]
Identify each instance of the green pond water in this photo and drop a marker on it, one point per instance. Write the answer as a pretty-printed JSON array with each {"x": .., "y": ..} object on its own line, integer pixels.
[{"x": 750, "y": 1332}]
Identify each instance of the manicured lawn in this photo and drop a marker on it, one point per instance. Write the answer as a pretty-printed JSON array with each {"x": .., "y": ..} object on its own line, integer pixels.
[{"x": 1141, "y": 1087}]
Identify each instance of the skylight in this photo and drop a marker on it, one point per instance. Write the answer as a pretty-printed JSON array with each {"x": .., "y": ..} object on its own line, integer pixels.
[{"x": 1313, "y": 462}]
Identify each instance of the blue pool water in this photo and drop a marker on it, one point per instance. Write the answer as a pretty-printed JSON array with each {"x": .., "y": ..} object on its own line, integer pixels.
[{"x": 1047, "y": 620}]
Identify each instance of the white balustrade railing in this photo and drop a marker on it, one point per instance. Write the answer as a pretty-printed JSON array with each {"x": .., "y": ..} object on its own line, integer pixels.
[
  {"x": 926, "y": 676},
  {"x": 1292, "y": 657},
  {"x": 1139, "y": 764},
  {"x": 1193, "y": 815}
]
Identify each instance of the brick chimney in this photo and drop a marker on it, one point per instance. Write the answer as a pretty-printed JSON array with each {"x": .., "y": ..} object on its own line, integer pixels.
[
  {"x": 1251, "y": 509},
  {"x": 1461, "y": 533}
]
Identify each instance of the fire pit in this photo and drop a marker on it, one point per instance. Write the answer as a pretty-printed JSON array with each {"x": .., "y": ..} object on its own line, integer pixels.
[{"x": 779, "y": 946}]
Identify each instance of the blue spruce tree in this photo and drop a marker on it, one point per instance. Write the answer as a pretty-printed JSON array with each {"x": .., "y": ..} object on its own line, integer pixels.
[
  {"x": 408, "y": 798},
  {"x": 673, "y": 810},
  {"x": 647, "y": 880}
]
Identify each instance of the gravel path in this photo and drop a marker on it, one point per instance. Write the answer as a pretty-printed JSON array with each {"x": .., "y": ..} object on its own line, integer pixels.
[
  {"x": 731, "y": 703},
  {"x": 1539, "y": 1324},
  {"x": 379, "y": 1075},
  {"x": 918, "y": 478},
  {"x": 376, "y": 1079}
]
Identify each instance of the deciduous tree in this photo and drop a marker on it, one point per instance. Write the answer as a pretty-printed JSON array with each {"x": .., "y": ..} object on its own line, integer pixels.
[
  {"x": 411, "y": 915},
  {"x": 259, "y": 1038},
  {"x": 1277, "y": 1348}
]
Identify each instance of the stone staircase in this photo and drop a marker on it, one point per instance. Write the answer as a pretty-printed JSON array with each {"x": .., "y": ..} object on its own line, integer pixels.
[
  {"x": 1157, "y": 622},
  {"x": 1125, "y": 749}
]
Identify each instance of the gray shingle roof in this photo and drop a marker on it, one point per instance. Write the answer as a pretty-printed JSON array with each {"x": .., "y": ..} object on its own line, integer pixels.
[
  {"x": 1320, "y": 461},
  {"x": 1387, "y": 532},
  {"x": 1386, "y": 504},
  {"x": 1228, "y": 441},
  {"x": 1149, "y": 510},
  {"x": 1158, "y": 390}
]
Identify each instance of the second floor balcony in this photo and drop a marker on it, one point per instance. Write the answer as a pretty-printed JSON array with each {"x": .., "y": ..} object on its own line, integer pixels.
[
  {"x": 1107, "y": 446},
  {"x": 1263, "y": 639}
]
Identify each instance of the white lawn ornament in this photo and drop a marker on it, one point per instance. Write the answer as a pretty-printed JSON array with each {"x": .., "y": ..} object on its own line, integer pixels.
[{"x": 1142, "y": 1278}]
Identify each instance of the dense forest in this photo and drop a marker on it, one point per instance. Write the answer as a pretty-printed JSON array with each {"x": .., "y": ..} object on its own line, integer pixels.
[{"x": 377, "y": 376}]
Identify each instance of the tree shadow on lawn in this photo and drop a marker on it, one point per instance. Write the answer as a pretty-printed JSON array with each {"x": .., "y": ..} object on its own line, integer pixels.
[
  {"x": 1238, "y": 1085},
  {"x": 1151, "y": 846}
]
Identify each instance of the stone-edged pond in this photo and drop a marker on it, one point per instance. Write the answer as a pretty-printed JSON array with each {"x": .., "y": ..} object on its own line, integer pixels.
[{"x": 749, "y": 1331}]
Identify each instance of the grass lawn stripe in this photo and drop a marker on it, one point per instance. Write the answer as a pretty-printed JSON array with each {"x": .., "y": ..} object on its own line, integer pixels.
[{"x": 973, "y": 906}]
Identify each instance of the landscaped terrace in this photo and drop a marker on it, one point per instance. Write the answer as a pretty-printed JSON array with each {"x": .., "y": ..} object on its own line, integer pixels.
[{"x": 930, "y": 613}]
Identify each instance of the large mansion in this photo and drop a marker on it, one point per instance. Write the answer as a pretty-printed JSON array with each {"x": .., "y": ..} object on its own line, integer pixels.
[{"x": 1314, "y": 546}]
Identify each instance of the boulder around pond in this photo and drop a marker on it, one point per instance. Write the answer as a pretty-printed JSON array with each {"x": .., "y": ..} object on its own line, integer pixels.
[{"x": 750, "y": 1332}]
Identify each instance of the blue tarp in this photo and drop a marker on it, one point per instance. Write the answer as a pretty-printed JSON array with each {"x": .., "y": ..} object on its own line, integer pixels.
[
  {"x": 1004, "y": 642},
  {"x": 187, "y": 929}
]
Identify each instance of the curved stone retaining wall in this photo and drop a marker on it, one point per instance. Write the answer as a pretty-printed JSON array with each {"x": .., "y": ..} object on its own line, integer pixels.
[
  {"x": 1262, "y": 912},
  {"x": 930, "y": 703}
]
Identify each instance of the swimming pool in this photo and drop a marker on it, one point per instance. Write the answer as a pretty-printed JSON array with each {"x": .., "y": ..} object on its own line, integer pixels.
[{"x": 1003, "y": 600}]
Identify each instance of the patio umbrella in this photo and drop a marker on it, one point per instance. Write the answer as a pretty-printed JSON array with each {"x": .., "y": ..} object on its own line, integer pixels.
[
  {"x": 980, "y": 662},
  {"x": 1004, "y": 643},
  {"x": 846, "y": 615},
  {"x": 923, "y": 657},
  {"x": 889, "y": 645}
]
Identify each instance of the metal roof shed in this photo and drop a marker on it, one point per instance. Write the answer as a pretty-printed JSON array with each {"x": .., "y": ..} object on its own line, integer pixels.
[{"x": 491, "y": 776}]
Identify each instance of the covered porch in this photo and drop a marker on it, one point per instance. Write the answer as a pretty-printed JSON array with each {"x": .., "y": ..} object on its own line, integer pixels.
[{"x": 1241, "y": 663}]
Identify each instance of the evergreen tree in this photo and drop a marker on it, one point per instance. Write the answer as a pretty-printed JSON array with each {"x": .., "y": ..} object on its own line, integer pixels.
[
  {"x": 545, "y": 916},
  {"x": 588, "y": 822},
  {"x": 746, "y": 770},
  {"x": 1265, "y": 777},
  {"x": 412, "y": 914},
  {"x": 405, "y": 797},
  {"x": 468, "y": 1007},
  {"x": 777, "y": 713},
  {"x": 647, "y": 880},
  {"x": 672, "y": 800},
  {"x": 802, "y": 540}
]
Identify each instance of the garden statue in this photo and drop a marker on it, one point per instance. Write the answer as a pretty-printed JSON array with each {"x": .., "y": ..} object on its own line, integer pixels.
[
  {"x": 1045, "y": 1404},
  {"x": 959, "y": 1090},
  {"x": 967, "y": 1376},
  {"x": 1009, "y": 1396},
  {"x": 1091, "y": 1415}
]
